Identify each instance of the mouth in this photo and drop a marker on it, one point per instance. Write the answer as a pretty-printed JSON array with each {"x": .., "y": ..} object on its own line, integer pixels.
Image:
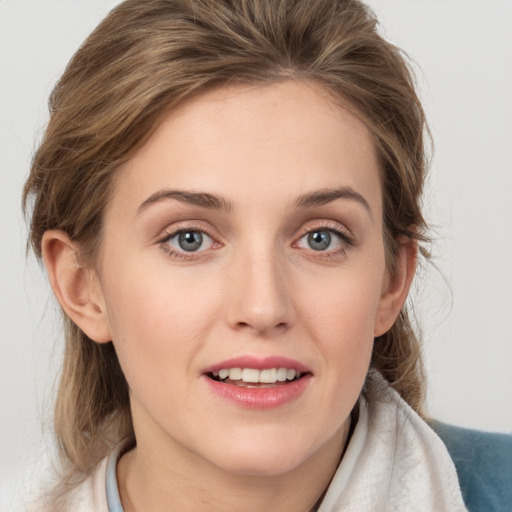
[
  {"x": 258, "y": 383},
  {"x": 255, "y": 378}
]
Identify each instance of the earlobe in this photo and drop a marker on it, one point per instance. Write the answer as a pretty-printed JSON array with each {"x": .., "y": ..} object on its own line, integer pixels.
[
  {"x": 396, "y": 287},
  {"x": 77, "y": 288}
]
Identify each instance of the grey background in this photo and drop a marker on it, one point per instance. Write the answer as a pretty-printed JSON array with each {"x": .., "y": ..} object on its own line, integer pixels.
[{"x": 464, "y": 50}]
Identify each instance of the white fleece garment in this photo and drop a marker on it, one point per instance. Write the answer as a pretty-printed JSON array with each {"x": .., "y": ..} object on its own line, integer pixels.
[{"x": 394, "y": 463}]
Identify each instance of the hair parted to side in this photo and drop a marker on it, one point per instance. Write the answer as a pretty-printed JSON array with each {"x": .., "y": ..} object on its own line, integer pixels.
[{"x": 146, "y": 58}]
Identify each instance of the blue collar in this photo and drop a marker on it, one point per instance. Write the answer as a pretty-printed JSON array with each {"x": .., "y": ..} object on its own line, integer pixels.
[{"x": 111, "y": 487}]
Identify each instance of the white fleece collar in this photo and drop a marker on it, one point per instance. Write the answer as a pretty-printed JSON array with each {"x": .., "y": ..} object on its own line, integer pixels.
[{"x": 394, "y": 463}]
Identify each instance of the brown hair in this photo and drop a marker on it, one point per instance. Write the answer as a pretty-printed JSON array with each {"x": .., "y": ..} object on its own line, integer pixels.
[{"x": 142, "y": 61}]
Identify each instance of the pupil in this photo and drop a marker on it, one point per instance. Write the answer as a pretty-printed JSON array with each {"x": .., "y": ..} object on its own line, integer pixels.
[
  {"x": 190, "y": 240},
  {"x": 319, "y": 240}
]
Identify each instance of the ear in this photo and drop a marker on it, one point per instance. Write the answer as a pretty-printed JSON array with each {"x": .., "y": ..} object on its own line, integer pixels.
[
  {"x": 396, "y": 287},
  {"x": 77, "y": 288}
]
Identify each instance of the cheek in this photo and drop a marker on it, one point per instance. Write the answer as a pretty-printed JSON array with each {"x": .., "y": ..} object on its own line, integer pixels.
[
  {"x": 158, "y": 322},
  {"x": 340, "y": 317},
  {"x": 339, "y": 321},
  {"x": 344, "y": 304},
  {"x": 345, "y": 338},
  {"x": 142, "y": 295}
]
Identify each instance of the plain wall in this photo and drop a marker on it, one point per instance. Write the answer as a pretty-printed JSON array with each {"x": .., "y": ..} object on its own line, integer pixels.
[{"x": 464, "y": 52}]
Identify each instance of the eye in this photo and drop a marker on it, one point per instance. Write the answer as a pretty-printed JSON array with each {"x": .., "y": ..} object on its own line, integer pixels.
[
  {"x": 323, "y": 240},
  {"x": 190, "y": 241}
]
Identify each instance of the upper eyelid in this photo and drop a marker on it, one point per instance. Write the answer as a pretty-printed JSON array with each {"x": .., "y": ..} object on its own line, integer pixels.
[
  {"x": 322, "y": 227},
  {"x": 344, "y": 237},
  {"x": 175, "y": 228},
  {"x": 326, "y": 225}
]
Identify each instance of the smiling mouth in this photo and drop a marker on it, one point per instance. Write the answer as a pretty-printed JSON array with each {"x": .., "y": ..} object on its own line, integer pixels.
[{"x": 254, "y": 378}]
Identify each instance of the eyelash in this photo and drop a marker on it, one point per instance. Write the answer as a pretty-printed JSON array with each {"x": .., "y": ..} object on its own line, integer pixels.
[
  {"x": 347, "y": 241},
  {"x": 169, "y": 251}
]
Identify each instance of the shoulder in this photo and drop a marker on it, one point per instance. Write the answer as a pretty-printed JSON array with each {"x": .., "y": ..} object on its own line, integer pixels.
[
  {"x": 484, "y": 465},
  {"x": 86, "y": 496},
  {"x": 91, "y": 493},
  {"x": 97, "y": 492}
]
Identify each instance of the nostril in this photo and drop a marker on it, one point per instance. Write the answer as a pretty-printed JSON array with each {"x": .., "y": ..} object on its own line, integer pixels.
[{"x": 281, "y": 326}]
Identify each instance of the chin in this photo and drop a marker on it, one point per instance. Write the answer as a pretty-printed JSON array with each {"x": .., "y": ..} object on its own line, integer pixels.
[
  {"x": 266, "y": 456},
  {"x": 262, "y": 466}
]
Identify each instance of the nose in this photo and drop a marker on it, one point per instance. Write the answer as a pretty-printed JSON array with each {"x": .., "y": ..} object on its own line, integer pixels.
[{"x": 260, "y": 295}]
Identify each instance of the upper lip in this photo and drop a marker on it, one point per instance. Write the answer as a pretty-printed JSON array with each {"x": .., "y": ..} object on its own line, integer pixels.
[{"x": 258, "y": 364}]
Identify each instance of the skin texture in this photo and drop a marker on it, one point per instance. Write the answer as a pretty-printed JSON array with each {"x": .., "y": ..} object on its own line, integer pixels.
[{"x": 256, "y": 287}]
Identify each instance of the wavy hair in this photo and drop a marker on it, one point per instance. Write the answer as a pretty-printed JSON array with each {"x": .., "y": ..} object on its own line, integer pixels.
[{"x": 147, "y": 57}]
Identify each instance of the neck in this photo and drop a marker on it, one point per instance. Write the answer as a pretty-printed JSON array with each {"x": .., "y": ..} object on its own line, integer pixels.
[{"x": 157, "y": 481}]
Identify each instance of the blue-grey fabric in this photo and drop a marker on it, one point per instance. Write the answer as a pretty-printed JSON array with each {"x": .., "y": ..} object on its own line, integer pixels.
[
  {"x": 111, "y": 487},
  {"x": 484, "y": 466}
]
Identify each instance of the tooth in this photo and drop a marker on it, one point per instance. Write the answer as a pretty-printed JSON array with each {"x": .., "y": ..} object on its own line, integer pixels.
[
  {"x": 268, "y": 376},
  {"x": 281, "y": 374},
  {"x": 290, "y": 374},
  {"x": 254, "y": 376},
  {"x": 235, "y": 373},
  {"x": 250, "y": 375}
]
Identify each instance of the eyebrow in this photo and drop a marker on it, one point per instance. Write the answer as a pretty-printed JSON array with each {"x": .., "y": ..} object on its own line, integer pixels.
[
  {"x": 202, "y": 199},
  {"x": 216, "y": 202},
  {"x": 325, "y": 196}
]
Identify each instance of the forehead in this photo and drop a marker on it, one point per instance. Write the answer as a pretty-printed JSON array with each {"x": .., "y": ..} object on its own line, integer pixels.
[{"x": 270, "y": 142}]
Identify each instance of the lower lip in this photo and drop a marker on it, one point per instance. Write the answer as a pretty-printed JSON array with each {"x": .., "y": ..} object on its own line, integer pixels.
[{"x": 260, "y": 398}]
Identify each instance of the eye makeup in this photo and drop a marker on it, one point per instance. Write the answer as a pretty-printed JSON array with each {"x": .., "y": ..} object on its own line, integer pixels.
[{"x": 191, "y": 241}]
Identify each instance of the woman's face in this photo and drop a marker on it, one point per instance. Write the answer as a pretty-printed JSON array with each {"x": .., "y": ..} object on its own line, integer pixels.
[{"x": 243, "y": 278}]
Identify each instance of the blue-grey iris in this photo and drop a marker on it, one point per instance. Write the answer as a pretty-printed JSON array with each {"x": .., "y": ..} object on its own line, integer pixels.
[
  {"x": 319, "y": 240},
  {"x": 190, "y": 240}
]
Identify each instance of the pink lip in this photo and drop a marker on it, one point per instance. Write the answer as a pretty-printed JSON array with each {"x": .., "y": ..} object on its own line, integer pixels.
[
  {"x": 259, "y": 398},
  {"x": 258, "y": 364}
]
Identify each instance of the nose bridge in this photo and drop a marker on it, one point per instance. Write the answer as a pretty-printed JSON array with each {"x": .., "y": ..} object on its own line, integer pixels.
[{"x": 260, "y": 297}]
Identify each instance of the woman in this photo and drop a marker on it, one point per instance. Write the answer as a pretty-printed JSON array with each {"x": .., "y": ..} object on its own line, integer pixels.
[{"x": 226, "y": 200}]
